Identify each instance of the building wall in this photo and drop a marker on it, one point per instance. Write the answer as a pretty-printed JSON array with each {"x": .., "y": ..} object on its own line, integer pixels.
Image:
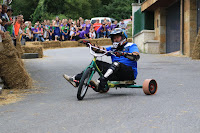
[
  {"x": 160, "y": 28},
  {"x": 190, "y": 25}
]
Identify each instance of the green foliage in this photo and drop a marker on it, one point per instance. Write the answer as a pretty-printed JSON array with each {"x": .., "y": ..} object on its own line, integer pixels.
[
  {"x": 47, "y": 9},
  {"x": 25, "y": 7}
]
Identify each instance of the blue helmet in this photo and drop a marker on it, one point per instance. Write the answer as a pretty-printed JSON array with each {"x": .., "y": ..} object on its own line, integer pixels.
[{"x": 118, "y": 31}]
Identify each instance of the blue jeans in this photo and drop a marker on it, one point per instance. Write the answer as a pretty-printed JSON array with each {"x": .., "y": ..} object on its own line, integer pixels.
[{"x": 41, "y": 38}]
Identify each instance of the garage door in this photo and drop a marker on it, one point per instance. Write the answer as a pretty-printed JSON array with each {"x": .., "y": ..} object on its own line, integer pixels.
[{"x": 173, "y": 28}]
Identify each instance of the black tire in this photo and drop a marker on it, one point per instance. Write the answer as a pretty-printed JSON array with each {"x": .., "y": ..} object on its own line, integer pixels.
[{"x": 83, "y": 86}]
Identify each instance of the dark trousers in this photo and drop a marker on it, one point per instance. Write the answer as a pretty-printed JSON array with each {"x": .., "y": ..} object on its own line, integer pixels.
[{"x": 123, "y": 73}]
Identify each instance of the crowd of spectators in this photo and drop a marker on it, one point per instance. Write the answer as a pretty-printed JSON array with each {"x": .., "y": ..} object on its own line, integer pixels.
[{"x": 53, "y": 30}]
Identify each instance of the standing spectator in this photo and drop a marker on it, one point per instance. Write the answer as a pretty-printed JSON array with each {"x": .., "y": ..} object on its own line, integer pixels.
[
  {"x": 35, "y": 32},
  {"x": 4, "y": 12},
  {"x": 10, "y": 27},
  {"x": 40, "y": 33},
  {"x": 123, "y": 25},
  {"x": 51, "y": 31},
  {"x": 96, "y": 26},
  {"x": 57, "y": 28},
  {"x": 46, "y": 27},
  {"x": 17, "y": 25},
  {"x": 109, "y": 28}
]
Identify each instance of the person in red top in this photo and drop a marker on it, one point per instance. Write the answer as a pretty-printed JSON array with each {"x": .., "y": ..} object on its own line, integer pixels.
[
  {"x": 17, "y": 25},
  {"x": 96, "y": 25}
]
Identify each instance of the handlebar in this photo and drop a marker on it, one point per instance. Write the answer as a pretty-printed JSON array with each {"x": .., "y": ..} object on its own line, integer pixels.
[{"x": 87, "y": 43}]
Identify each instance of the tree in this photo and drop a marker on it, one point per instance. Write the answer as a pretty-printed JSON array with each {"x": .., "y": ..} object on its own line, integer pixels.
[
  {"x": 24, "y": 7},
  {"x": 118, "y": 9}
]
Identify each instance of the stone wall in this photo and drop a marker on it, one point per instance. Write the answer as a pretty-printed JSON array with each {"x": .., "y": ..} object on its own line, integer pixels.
[
  {"x": 143, "y": 37},
  {"x": 160, "y": 28},
  {"x": 190, "y": 25}
]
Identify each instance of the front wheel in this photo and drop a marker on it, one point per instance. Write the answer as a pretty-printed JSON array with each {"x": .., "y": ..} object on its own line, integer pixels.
[{"x": 83, "y": 86}]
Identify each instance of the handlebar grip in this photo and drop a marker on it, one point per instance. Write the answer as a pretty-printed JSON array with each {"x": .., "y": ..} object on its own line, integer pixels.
[{"x": 85, "y": 41}]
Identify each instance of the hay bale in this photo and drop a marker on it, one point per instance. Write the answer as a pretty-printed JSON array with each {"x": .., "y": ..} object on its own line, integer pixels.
[
  {"x": 33, "y": 43},
  {"x": 7, "y": 47},
  {"x": 34, "y": 49},
  {"x": 104, "y": 41},
  {"x": 196, "y": 48},
  {"x": 51, "y": 44},
  {"x": 66, "y": 44},
  {"x": 99, "y": 41},
  {"x": 19, "y": 47},
  {"x": 12, "y": 70},
  {"x": 14, "y": 74}
]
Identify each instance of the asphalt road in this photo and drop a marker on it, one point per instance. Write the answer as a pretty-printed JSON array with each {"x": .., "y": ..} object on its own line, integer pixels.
[{"x": 174, "y": 109}]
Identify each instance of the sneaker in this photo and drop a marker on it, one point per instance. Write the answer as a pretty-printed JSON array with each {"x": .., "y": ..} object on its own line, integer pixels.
[
  {"x": 94, "y": 85},
  {"x": 103, "y": 84},
  {"x": 71, "y": 80}
]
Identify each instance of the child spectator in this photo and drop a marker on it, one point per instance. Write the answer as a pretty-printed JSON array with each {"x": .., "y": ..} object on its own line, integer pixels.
[
  {"x": 29, "y": 33},
  {"x": 92, "y": 34},
  {"x": 51, "y": 31},
  {"x": 22, "y": 34},
  {"x": 45, "y": 27},
  {"x": 72, "y": 30},
  {"x": 65, "y": 30}
]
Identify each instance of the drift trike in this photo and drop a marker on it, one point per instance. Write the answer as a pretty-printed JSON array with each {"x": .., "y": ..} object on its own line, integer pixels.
[{"x": 149, "y": 85}]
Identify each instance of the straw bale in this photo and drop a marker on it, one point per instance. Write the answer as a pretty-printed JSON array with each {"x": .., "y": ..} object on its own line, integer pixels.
[
  {"x": 196, "y": 48},
  {"x": 104, "y": 41},
  {"x": 34, "y": 49},
  {"x": 12, "y": 69},
  {"x": 51, "y": 44},
  {"x": 7, "y": 47},
  {"x": 19, "y": 47},
  {"x": 33, "y": 43},
  {"x": 14, "y": 74},
  {"x": 66, "y": 44}
]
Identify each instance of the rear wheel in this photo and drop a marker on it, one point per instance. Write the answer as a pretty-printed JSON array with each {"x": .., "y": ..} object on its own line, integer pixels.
[
  {"x": 83, "y": 86},
  {"x": 150, "y": 86}
]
